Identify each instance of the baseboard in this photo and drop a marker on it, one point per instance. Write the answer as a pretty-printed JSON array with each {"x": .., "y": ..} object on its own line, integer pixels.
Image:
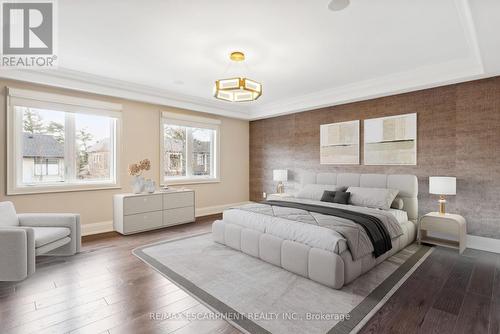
[
  {"x": 211, "y": 210},
  {"x": 107, "y": 226},
  {"x": 483, "y": 243},
  {"x": 97, "y": 228}
]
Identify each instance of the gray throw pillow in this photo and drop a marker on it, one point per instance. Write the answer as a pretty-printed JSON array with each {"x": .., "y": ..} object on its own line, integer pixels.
[
  {"x": 342, "y": 197},
  {"x": 328, "y": 196}
]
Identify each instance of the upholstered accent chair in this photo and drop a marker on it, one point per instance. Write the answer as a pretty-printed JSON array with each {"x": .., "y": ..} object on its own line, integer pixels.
[{"x": 24, "y": 236}]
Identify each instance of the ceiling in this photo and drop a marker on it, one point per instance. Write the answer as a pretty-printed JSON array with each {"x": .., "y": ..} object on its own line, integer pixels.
[{"x": 171, "y": 51}]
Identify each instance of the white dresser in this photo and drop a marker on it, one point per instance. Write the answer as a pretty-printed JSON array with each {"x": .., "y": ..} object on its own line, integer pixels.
[{"x": 134, "y": 213}]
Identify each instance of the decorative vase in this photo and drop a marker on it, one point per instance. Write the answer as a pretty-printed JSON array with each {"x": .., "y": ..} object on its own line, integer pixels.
[
  {"x": 137, "y": 184},
  {"x": 150, "y": 186}
]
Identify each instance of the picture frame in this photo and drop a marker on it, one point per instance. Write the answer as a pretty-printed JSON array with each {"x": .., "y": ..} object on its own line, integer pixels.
[
  {"x": 391, "y": 140},
  {"x": 339, "y": 143}
]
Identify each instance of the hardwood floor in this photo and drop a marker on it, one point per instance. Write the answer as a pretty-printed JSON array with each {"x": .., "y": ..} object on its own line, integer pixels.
[
  {"x": 448, "y": 293},
  {"x": 106, "y": 289}
]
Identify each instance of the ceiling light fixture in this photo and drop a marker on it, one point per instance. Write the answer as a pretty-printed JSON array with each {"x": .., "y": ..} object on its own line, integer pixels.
[
  {"x": 237, "y": 89},
  {"x": 336, "y": 5}
]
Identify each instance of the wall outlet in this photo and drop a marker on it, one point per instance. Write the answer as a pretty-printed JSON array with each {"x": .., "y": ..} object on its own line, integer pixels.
[{"x": 264, "y": 195}]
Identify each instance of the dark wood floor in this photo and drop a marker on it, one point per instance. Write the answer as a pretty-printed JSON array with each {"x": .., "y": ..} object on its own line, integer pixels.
[
  {"x": 448, "y": 293},
  {"x": 105, "y": 289}
]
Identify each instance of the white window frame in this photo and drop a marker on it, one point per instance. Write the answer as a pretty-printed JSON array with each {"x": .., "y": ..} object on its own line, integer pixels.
[
  {"x": 64, "y": 103},
  {"x": 190, "y": 121}
]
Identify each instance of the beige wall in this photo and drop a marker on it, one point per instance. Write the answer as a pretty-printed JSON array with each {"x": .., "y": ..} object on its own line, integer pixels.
[{"x": 140, "y": 139}]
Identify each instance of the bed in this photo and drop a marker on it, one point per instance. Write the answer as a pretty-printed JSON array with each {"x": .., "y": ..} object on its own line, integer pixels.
[{"x": 326, "y": 242}]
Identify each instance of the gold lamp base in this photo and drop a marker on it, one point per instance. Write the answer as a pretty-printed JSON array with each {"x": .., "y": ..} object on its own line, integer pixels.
[{"x": 442, "y": 205}]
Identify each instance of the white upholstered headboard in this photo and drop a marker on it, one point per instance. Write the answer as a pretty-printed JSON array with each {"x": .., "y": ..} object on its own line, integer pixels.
[{"x": 406, "y": 184}]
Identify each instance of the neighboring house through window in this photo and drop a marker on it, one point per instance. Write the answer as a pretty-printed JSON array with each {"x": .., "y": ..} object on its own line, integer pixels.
[
  {"x": 99, "y": 158},
  {"x": 43, "y": 158},
  {"x": 190, "y": 147}
]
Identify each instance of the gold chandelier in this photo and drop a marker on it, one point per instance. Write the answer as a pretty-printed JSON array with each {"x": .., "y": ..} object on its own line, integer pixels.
[{"x": 239, "y": 89}]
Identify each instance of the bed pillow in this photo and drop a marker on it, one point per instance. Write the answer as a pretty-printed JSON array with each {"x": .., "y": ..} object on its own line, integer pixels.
[
  {"x": 315, "y": 191},
  {"x": 328, "y": 196},
  {"x": 342, "y": 197},
  {"x": 378, "y": 198},
  {"x": 398, "y": 203}
]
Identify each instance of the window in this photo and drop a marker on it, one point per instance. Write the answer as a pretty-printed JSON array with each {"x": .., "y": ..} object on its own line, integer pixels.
[
  {"x": 190, "y": 149},
  {"x": 60, "y": 143}
]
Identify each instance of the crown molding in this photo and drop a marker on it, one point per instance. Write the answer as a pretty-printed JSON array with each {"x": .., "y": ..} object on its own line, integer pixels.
[
  {"x": 420, "y": 78},
  {"x": 89, "y": 83},
  {"x": 398, "y": 83}
]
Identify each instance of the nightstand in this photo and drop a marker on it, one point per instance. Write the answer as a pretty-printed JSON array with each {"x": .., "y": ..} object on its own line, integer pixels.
[{"x": 440, "y": 225}]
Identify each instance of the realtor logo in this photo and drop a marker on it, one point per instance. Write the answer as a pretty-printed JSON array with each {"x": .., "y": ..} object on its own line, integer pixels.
[{"x": 28, "y": 34}]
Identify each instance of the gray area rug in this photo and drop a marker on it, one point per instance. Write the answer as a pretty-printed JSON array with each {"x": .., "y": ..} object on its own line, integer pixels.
[{"x": 258, "y": 297}]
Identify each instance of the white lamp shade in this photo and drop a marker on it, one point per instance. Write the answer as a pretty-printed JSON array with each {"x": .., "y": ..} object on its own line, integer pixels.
[
  {"x": 280, "y": 175},
  {"x": 442, "y": 185}
]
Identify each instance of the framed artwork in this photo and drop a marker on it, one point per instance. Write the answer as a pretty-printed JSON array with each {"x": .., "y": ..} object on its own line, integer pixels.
[
  {"x": 391, "y": 140},
  {"x": 339, "y": 143}
]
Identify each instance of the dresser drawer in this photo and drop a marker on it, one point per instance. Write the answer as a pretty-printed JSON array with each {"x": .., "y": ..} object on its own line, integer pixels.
[
  {"x": 178, "y": 215},
  {"x": 142, "y": 221},
  {"x": 178, "y": 200},
  {"x": 139, "y": 204}
]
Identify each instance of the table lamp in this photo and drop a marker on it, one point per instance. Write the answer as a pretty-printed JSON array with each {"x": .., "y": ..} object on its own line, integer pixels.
[
  {"x": 442, "y": 185},
  {"x": 280, "y": 176}
]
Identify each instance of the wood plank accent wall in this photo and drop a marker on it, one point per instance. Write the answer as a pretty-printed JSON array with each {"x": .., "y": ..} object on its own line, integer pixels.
[{"x": 458, "y": 135}]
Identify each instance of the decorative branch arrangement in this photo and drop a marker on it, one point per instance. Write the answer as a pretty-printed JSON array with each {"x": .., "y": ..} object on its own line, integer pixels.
[{"x": 138, "y": 168}]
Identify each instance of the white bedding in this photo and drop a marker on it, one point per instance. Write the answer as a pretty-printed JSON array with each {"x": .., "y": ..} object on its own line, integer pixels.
[
  {"x": 311, "y": 235},
  {"x": 308, "y": 234},
  {"x": 400, "y": 215}
]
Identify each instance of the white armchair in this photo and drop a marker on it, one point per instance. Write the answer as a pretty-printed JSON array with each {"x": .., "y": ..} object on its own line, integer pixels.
[{"x": 24, "y": 236}]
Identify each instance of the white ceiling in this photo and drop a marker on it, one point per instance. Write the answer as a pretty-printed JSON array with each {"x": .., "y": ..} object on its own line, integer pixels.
[{"x": 170, "y": 52}]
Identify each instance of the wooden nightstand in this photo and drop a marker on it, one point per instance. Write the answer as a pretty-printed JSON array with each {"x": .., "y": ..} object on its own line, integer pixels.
[{"x": 448, "y": 224}]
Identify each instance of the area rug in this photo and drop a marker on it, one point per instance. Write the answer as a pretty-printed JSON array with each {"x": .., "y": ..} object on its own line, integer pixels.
[{"x": 258, "y": 297}]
